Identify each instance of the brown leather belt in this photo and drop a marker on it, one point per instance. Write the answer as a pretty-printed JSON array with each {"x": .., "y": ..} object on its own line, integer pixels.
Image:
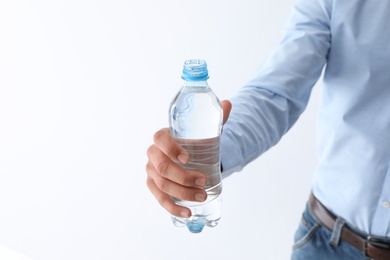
[{"x": 370, "y": 247}]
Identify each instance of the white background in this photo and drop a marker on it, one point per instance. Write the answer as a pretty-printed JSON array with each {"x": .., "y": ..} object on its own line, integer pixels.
[{"x": 84, "y": 85}]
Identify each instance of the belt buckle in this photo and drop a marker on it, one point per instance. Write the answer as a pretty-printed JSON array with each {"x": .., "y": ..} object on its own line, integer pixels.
[{"x": 376, "y": 242}]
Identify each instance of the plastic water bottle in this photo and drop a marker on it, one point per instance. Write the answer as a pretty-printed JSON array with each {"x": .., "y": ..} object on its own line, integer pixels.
[{"x": 196, "y": 123}]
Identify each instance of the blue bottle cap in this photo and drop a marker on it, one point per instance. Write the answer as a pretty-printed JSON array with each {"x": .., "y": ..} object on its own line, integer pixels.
[{"x": 195, "y": 70}]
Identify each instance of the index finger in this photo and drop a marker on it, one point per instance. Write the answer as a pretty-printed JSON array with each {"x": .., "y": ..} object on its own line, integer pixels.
[{"x": 167, "y": 144}]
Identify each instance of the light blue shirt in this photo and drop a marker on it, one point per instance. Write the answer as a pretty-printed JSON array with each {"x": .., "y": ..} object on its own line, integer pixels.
[{"x": 351, "y": 39}]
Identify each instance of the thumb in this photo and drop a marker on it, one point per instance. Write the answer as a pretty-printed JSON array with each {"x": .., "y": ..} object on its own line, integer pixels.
[{"x": 226, "y": 107}]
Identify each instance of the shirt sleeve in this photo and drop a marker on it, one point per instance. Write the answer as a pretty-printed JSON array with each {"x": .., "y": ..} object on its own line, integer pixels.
[{"x": 266, "y": 107}]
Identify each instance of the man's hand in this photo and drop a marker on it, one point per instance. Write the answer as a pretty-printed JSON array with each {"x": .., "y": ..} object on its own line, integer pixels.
[{"x": 166, "y": 178}]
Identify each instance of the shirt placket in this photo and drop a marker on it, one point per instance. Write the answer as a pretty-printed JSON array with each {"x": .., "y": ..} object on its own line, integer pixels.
[{"x": 381, "y": 220}]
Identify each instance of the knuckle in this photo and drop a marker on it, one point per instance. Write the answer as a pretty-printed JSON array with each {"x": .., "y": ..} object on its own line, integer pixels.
[
  {"x": 158, "y": 135},
  {"x": 149, "y": 167},
  {"x": 149, "y": 183},
  {"x": 162, "y": 168},
  {"x": 162, "y": 184},
  {"x": 172, "y": 150},
  {"x": 185, "y": 194},
  {"x": 150, "y": 150},
  {"x": 183, "y": 179},
  {"x": 186, "y": 178}
]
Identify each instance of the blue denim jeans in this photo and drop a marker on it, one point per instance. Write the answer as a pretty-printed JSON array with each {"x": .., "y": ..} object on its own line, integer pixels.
[{"x": 313, "y": 241}]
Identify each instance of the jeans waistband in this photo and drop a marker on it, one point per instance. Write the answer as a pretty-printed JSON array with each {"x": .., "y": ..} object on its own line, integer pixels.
[{"x": 371, "y": 247}]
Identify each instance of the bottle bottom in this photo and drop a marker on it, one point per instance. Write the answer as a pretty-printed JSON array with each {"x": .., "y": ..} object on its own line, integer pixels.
[{"x": 205, "y": 214}]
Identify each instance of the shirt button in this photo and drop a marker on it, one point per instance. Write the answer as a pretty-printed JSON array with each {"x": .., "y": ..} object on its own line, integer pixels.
[{"x": 386, "y": 204}]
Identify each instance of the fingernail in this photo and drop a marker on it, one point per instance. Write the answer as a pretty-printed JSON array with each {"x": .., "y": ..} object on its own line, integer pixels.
[
  {"x": 200, "y": 197},
  {"x": 183, "y": 158},
  {"x": 184, "y": 214},
  {"x": 200, "y": 182}
]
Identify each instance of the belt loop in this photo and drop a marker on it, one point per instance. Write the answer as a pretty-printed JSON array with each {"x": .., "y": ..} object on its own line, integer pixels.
[{"x": 336, "y": 233}]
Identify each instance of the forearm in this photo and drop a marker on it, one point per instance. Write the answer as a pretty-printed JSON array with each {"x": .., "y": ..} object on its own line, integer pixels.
[{"x": 272, "y": 101}]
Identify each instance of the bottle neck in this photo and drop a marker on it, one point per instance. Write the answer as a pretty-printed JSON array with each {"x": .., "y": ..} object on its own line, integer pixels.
[{"x": 196, "y": 84}]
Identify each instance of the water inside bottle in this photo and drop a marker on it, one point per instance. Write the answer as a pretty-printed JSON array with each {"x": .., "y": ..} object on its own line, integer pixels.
[{"x": 204, "y": 158}]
